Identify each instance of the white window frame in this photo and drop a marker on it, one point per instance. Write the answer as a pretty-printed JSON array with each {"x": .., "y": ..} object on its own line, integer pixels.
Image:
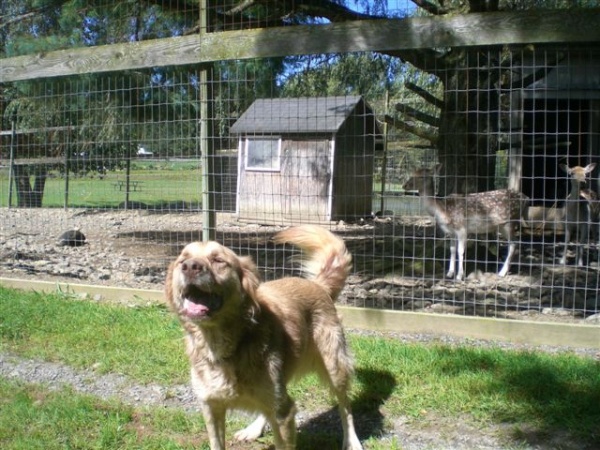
[{"x": 275, "y": 159}]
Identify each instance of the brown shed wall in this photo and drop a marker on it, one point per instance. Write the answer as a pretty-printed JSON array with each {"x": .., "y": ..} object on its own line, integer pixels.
[{"x": 298, "y": 192}]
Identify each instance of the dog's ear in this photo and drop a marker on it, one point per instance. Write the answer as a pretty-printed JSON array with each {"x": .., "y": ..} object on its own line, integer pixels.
[
  {"x": 169, "y": 281},
  {"x": 169, "y": 285},
  {"x": 249, "y": 277}
]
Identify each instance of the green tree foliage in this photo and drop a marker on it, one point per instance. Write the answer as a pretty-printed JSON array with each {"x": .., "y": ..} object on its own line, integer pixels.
[
  {"x": 110, "y": 112},
  {"x": 375, "y": 76},
  {"x": 105, "y": 111}
]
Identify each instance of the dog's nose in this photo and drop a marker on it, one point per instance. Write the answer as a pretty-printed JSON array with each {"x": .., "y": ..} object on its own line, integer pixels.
[{"x": 192, "y": 267}]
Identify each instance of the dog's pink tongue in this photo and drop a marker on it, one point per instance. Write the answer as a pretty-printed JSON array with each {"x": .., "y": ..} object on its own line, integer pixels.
[{"x": 194, "y": 309}]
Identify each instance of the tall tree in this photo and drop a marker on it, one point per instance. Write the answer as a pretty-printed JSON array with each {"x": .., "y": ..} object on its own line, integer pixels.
[{"x": 465, "y": 129}]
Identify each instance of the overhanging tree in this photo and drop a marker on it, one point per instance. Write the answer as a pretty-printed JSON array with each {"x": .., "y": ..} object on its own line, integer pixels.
[{"x": 473, "y": 79}]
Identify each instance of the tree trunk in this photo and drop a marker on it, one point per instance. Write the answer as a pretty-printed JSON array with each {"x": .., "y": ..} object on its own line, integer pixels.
[
  {"x": 29, "y": 196},
  {"x": 468, "y": 138}
]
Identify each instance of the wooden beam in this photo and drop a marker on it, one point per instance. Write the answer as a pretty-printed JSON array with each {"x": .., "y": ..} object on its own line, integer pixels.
[
  {"x": 40, "y": 161},
  {"x": 482, "y": 29},
  {"x": 35, "y": 130}
]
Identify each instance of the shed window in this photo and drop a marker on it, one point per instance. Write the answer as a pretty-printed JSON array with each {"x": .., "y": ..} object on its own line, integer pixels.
[{"x": 263, "y": 153}]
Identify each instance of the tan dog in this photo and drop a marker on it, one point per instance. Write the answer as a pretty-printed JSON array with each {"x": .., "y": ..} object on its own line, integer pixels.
[{"x": 246, "y": 339}]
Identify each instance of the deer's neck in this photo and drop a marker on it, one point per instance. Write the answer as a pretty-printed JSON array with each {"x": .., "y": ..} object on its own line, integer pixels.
[
  {"x": 427, "y": 189},
  {"x": 434, "y": 206},
  {"x": 575, "y": 189}
]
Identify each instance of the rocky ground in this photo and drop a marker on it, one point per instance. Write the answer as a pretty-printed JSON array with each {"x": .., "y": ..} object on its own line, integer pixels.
[{"x": 133, "y": 248}]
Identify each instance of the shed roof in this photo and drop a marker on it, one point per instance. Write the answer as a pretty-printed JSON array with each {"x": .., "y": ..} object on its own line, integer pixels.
[{"x": 296, "y": 115}]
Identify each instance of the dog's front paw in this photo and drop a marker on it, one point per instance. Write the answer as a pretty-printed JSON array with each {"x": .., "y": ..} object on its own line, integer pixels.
[{"x": 252, "y": 431}]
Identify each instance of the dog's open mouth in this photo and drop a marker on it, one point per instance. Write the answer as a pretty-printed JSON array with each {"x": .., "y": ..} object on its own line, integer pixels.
[{"x": 199, "y": 304}]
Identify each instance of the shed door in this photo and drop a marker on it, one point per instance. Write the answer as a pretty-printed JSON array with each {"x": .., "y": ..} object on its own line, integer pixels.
[{"x": 306, "y": 170}]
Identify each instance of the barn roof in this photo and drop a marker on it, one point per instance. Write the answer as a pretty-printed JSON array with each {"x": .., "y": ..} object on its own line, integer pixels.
[{"x": 296, "y": 115}]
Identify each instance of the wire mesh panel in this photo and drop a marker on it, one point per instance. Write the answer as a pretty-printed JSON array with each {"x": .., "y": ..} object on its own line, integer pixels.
[{"x": 104, "y": 177}]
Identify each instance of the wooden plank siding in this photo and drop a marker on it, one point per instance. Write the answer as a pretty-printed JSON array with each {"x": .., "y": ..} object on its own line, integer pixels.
[
  {"x": 354, "y": 166},
  {"x": 518, "y": 27},
  {"x": 307, "y": 170},
  {"x": 296, "y": 192}
]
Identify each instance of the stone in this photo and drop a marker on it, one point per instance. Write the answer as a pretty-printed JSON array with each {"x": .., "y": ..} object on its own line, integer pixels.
[{"x": 72, "y": 238}]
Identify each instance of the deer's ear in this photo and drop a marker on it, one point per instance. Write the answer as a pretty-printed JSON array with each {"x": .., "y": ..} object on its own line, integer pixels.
[
  {"x": 590, "y": 167},
  {"x": 564, "y": 167}
]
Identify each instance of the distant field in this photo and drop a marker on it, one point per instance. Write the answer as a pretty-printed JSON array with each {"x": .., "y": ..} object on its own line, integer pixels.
[{"x": 158, "y": 183}]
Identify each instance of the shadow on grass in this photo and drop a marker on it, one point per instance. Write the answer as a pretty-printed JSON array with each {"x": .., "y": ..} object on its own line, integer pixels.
[
  {"x": 568, "y": 411},
  {"x": 325, "y": 430},
  {"x": 547, "y": 402}
]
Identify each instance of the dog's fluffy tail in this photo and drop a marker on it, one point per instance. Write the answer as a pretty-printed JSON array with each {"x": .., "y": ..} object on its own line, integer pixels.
[{"x": 325, "y": 259}]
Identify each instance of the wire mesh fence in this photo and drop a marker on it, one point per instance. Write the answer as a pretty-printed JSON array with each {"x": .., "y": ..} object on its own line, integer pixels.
[{"x": 142, "y": 162}]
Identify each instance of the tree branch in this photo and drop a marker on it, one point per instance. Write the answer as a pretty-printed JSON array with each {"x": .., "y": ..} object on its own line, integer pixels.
[
  {"x": 28, "y": 14},
  {"x": 314, "y": 8},
  {"x": 425, "y": 59},
  {"x": 430, "y": 7},
  {"x": 422, "y": 132},
  {"x": 427, "y": 96},
  {"x": 538, "y": 74},
  {"x": 332, "y": 11},
  {"x": 414, "y": 113}
]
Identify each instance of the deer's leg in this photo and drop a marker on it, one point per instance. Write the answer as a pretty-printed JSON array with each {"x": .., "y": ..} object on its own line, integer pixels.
[
  {"x": 507, "y": 232},
  {"x": 563, "y": 260},
  {"x": 583, "y": 239},
  {"x": 452, "y": 263},
  {"x": 462, "y": 244},
  {"x": 506, "y": 267}
]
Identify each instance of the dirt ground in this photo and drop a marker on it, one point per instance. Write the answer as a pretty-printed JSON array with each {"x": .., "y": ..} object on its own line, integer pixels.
[{"x": 398, "y": 264}]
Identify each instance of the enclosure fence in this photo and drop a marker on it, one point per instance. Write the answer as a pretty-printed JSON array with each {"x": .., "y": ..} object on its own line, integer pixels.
[{"x": 169, "y": 124}]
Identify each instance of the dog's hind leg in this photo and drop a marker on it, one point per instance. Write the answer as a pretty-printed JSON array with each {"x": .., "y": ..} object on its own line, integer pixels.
[
  {"x": 351, "y": 441},
  {"x": 339, "y": 369},
  {"x": 252, "y": 431},
  {"x": 214, "y": 418},
  {"x": 283, "y": 424}
]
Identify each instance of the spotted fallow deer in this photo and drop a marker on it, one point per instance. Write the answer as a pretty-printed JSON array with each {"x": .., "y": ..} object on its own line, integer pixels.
[
  {"x": 462, "y": 215},
  {"x": 579, "y": 211}
]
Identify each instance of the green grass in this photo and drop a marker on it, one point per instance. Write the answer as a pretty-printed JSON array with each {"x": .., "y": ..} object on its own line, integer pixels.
[
  {"x": 32, "y": 418},
  {"x": 554, "y": 395},
  {"x": 145, "y": 343},
  {"x": 162, "y": 183}
]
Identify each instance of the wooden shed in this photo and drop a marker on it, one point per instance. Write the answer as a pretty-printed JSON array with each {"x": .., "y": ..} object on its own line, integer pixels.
[
  {"x": 558, "y": 122},
  {"x": 305, "y": 160},
  {"x": 554, "y": 120}
]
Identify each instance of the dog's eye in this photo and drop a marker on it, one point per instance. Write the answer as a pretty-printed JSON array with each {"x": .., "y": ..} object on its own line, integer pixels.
[{"x": 219, "y": 260}]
